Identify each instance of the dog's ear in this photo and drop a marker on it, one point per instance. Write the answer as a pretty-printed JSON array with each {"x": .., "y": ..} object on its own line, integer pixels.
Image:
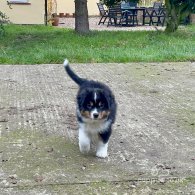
[
  {"x": 81, "y": 97},
  {"x": 109, "y": 98}
]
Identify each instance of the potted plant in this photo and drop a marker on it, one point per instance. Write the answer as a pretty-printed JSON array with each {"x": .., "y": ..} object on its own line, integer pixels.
[
  {"x": 67, "y": 15},
  {"x": 55, "y": 19},
  {"x": 61, "y": 15}
]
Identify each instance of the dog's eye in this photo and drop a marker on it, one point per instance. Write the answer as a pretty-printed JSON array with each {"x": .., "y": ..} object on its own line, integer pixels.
[
  {"x": 90, "y": 105},
  {"x": 101, "y": 105}
]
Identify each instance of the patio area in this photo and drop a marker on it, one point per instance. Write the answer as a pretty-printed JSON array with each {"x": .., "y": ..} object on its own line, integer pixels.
[{"x": 93, "y": 24}]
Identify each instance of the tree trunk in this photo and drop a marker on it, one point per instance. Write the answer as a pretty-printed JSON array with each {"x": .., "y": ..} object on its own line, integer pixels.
[
  {"x": 81, "y": 17},
  {"x": 172, "y": 16}
]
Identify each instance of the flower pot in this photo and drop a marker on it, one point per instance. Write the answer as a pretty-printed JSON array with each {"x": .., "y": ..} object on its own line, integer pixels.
[
  {"x": 61, "y": 15},
  {"x": 55, "y": 21},
  {"x": 67, "y": 15}
]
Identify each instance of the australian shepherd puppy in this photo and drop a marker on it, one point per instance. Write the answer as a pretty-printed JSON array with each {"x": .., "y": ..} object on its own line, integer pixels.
[{"x": 96, "y": 111}]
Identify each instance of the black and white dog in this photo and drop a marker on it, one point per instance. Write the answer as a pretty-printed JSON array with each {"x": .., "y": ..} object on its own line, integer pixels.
[{"x": 96, "y": 111}]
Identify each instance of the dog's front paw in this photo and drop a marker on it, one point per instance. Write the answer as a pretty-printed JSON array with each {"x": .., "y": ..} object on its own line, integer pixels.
[
  {"x": 84, "y": 148},
  {"x": 102, "y": 150},
  {"x": 101, "y": 154},
  {"x": 84, "y": 141}
]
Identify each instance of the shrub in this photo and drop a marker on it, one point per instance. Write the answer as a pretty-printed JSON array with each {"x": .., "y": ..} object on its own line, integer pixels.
[
  {"x": 110, "y": 2},
  {"x": 113, "y": 2},
  {"x": 3, "y": 20}
]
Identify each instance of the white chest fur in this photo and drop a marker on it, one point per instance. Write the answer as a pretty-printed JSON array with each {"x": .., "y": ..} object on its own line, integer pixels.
[
  {"x": 91, "y": 129},
  {"x": 94, "y": 127}
]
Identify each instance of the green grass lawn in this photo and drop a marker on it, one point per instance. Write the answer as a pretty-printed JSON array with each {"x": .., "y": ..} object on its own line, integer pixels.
[{"x": 42, "y": 45}]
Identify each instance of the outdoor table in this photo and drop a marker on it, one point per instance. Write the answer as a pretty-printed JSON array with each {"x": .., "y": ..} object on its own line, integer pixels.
[{"x": 134, "y": 10}]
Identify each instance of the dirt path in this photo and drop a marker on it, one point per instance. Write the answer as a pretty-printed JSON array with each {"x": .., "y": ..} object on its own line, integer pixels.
[{"x": 151, "y": 149}]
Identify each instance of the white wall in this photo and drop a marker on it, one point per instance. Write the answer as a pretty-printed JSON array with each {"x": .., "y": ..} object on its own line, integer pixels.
[
  {"x": 24, "y": 14},
  {"x": 68, "y": 6},
  {"x": 34, "y": 13}
]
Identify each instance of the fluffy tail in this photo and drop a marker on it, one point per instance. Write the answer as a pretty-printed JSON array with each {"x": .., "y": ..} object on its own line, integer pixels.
[{"x": 72, "y": 75}]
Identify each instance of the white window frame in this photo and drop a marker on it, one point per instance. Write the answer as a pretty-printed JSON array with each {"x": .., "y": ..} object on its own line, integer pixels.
[{"x": 18, "y": 1}]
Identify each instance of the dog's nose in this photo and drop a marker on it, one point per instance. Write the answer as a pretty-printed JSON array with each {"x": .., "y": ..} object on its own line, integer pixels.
[{"x": 95, "y": 115}]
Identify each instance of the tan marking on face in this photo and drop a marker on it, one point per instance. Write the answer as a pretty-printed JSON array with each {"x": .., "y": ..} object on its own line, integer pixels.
[
  {"x": 85, "y": 114},
  {"x": 103, "y": 114}
]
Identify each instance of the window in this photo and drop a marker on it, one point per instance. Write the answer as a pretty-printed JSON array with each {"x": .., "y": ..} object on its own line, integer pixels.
[{"x": 18, "y": 2}]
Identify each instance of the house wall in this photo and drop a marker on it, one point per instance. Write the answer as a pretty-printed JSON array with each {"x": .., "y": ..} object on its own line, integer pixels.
[
  {"x": 67, "y": 6},
  {"x": 24, "y": 14},
  {"x": 34, "y": 12}
]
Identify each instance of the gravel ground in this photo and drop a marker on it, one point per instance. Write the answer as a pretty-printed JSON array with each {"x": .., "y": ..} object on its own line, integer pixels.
[{"x": 93, "y": 23}]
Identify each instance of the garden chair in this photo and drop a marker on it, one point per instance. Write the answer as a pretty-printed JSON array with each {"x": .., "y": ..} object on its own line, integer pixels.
[
  {"x": 158, "y": 16},
  {"x": 147, "y": 16},
  {"x": 157, "y": 5},
  {"x": 155, "y": 14},
  {"x": 103, "y": 13},
  {"x": 115, "y": 15}
]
